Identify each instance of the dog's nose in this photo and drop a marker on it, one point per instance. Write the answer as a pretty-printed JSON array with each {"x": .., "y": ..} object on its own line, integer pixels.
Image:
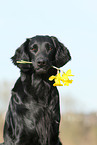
[{"x": 41, "y": 62}]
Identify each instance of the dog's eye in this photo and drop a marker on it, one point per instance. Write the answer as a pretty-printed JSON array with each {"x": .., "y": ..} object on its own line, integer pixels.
[
  {"x": 48, "y": 47},
  {"x": 34, "y": 48}
]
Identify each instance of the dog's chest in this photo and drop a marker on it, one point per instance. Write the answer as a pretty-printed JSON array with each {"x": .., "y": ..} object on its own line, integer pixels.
[
  {"x": 40, "y": 121},
  {"x": 38, "y": 89},
  {"x": 39, "y": 117}
]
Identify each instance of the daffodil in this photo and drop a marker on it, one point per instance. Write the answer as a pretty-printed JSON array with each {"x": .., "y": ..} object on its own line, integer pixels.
[
  {"x": 57, "y": 79},
  {"x": 52, "y": 78},
  {"x": 67, "y": 74},
  {"x": 67, "y": 82},
  {"x": 64, "y": 78},
  {"x": 57, "y": 83}
]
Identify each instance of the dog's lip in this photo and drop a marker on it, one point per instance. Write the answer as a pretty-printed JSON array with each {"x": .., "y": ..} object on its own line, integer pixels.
[{"x": 42, "y": 69}]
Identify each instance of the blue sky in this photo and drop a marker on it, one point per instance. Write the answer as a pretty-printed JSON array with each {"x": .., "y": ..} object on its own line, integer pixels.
[{"x": 73, "y": 22}]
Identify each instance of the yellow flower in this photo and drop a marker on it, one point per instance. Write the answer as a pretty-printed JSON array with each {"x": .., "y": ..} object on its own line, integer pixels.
[
  {"x": 58, "y": 76},
  {"x": 52, "y": 78},
  {"x": 57, "y": 82},
  {"x": 67, "y": 74},
  {"x": 61, "y": 79},
  {"x": 67, "y": 82},
  {"x": 57, "y": 79}
]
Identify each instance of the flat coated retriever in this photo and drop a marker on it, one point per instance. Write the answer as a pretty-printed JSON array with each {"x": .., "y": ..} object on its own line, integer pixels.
[{"x": 33, "y": 115}]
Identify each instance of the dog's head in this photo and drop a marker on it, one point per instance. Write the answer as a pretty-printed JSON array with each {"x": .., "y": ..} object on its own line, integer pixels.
[{"x": 43, "y": 52}]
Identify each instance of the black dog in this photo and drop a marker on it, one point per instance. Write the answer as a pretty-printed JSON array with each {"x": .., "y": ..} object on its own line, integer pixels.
[{"x": 33, "y": 115}]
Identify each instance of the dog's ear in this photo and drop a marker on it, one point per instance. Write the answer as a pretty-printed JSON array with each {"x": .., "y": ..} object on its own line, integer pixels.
[
  {"x": 22, "y": 54},
  {"x": 62, "y": 55}
]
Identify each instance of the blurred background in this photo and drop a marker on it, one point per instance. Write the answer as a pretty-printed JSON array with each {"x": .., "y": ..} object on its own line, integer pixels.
[{"x": 74, "y": 23}]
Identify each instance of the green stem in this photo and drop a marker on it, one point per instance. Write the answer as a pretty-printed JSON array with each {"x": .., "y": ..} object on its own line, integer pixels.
[
  {"x": 58, "y": 68},
  {"x": 23, "y": 62},
  {"x": 27, "y": 62}
]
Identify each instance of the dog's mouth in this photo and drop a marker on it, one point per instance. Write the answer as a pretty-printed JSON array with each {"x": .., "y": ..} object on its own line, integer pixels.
[{"x": 42, "y": 70}]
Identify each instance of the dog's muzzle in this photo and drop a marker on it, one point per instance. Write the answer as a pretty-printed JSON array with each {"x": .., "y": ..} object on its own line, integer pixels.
[{"x": 42, "y": 65}]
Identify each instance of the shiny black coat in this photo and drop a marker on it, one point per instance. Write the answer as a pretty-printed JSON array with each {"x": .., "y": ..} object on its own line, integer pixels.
[{"x": 33, "y": 116}]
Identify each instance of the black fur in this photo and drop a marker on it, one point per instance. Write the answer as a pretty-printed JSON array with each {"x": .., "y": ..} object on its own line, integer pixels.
[{"x": 33, "y": 116}]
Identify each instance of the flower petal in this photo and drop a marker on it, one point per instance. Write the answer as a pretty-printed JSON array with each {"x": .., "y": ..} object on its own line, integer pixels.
[
  {"x": 64, "y": 76},
  {"x": 57, "y": 84},
  {"x": 68, "y": 81},
  {"x": 58, "y": 76},
  {"x": 66, "y": 84},
  {"x": 69, "y": 73},
  {"x": 51, "y": 78}
]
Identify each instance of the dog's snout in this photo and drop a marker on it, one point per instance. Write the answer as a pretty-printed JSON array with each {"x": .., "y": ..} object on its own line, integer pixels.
[{"x": 41, "y": 62}]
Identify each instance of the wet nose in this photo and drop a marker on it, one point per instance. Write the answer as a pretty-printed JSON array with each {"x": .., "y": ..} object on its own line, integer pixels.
[{"x": 41, "y": 62}]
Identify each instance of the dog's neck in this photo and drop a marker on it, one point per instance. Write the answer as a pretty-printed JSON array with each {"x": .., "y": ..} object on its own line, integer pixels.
[
  {"x": 34, "y": 83},
  {"x": 33, "y": 76}
]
